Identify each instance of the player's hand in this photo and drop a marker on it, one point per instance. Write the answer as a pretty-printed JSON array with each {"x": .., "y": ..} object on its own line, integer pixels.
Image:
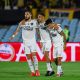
[
  {"x": 64, "y": 46},
  {"x": 41, "y": 45},
  {"x": 11, "y": 37},
  {"x": 55, "y": 26}
]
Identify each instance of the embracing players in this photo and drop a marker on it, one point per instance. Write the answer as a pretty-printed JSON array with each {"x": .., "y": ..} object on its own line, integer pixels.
[
  {"x": 59, "y": 42},
  {"x": 45, "y": 42}
]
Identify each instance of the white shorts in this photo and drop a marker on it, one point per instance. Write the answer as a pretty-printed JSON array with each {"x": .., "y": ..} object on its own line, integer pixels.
[
  {"x": 57, "y": 51},
  {"x": 29, "y": 46},
  {"x": 47, "y": 45}
]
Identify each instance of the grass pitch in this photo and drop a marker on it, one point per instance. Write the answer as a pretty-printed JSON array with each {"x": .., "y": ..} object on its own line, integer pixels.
[{"x": 21, "y": 71}]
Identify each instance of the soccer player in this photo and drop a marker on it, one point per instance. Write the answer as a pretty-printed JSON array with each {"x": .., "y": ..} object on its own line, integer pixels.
[
  {"x": 45, "y": 42},
  {"x": 28, "y": 26},
  {"x": 59, "y": 42}
]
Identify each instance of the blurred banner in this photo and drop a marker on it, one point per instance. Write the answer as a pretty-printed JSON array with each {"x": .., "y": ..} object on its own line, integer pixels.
[
  {"x": 15, "y": 16},
  {"x": 15, "y": 52},
  {"x": 65, "y": 13}
]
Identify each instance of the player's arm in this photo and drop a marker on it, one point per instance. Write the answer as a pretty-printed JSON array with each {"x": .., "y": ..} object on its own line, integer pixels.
[
  {"x": 39, "y": 37},
  {"x": 38, "y": 34},
  {"x": 14, "y": 34},
  {"x": 60, "y": 31},
  {"x": 17, "y": 30},
  {"x": 54, "y": 26},
  {"x": 64, "y": 37}
]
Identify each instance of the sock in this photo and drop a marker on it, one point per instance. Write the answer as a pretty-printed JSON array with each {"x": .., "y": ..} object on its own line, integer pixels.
[
  {"x": 35, "y": 62},
  {"x": 59, "y": 69},
  {"x": 49, "y": 68},
  {"x": 30, "y": 65}
]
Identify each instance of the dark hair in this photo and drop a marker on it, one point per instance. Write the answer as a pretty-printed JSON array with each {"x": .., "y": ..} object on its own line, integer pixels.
[
  {"x": 48, "y": 21},
  {"x": 41, "y": 13},
  {"x": 66, "y": 26},
  {"x": 27, "y": 10}
]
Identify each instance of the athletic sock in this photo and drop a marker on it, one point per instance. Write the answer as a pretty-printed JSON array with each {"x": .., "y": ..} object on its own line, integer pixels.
[
  {"x": 61, "y": 70},
  {"x": 49, "y": 68},
  {"x": 58, "y": 69},
  {"x": 35, "y": 62},
  {"x": 30, "y": 65}
]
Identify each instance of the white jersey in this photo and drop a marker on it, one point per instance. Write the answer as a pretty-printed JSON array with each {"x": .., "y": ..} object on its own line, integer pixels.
[
  {"x": 28, "y": 30},
  {"x": 43, "y": 33},
  {"x": 56, "y": 37}
]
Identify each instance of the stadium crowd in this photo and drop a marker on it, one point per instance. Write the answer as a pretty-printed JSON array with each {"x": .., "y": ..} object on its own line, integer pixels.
[{"x": 39, "y": 4}]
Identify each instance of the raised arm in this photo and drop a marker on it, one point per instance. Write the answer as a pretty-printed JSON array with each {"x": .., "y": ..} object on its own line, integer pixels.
[{"x": 17, "y": 30}]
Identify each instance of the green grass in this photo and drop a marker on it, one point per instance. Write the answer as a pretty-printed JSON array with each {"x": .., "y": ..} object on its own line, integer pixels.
[{"x": 21, "y": 71}]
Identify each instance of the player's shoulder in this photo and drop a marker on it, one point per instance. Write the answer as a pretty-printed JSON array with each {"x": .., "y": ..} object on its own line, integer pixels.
[
  {"x": 34, "y": 20},
  {"x": 59, "y": 28},
  {"x": 22, "y": 22},
  {"x": 59, "y": 25}
]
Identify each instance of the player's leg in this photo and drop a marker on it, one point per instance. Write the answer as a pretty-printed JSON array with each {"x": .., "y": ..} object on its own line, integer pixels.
[
  {"x": 55, "y": 55},
  {"x": 48, "y": 61},
  {"x": 35, "y": 60},
  {"x": 27, "y": 52},
  {"x": 56, "y": 61},
  {"x": 30, "y": 64},
  {"x": 59, "y": 57},
  {"x": 59, "y": 67}
]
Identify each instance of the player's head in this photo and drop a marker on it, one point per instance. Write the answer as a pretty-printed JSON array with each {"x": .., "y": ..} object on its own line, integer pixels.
[
  {"x": 41, "y": 17},
  {"x": 49, "y": 23},
  {"x": 66, "y": 27},
  {"x": 28, "y": 14}
]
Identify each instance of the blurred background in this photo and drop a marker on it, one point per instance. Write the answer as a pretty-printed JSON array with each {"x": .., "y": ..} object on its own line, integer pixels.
[{"x": 64, "y": 12}]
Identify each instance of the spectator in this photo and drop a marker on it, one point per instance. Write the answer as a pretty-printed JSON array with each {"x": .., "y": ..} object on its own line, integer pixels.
[
  {"x": 66, "y": 32},
  {"x": 13, "y": 3},
  {"x": 2, "y": 4},
  {"x": 20, "y": 3},
  {"x": 59, "y": 3}
]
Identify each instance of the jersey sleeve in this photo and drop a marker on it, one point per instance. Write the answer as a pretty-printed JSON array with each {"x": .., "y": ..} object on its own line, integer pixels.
[
  {"x": 59, "y": 29},
  {"x": 35, "y": 23},
  {"x": 20, "y": 25}
]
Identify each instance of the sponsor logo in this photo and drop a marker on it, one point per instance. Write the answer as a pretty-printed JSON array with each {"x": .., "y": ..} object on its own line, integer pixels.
[{"x": 6, "y": 52}]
